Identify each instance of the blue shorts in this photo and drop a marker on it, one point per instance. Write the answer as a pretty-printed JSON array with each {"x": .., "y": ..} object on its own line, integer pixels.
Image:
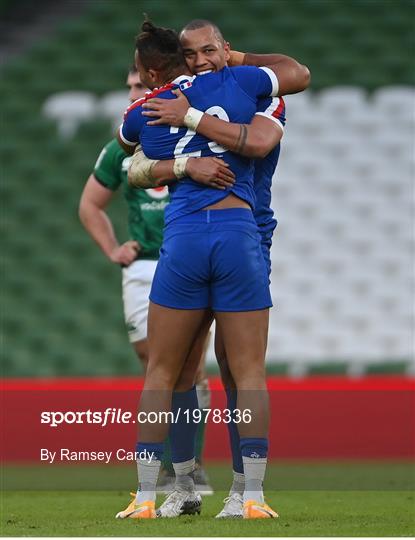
[
  {"x": 266, "y": 253},
  {"x": 212, "y": 259},
  {"x": 266, "y": 231}
]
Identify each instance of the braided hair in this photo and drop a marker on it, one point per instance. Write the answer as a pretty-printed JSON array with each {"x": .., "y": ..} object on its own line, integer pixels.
[{"x": 159, "y": 48}]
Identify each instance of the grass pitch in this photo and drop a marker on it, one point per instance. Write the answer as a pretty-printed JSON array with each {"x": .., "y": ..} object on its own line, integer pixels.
[{"x": 303, "y": 512}]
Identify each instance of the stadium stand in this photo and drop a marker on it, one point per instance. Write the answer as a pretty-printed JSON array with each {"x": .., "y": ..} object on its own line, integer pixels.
[
  {"x": 343, "y": 252},
  {"x": 69, "y": 109}
]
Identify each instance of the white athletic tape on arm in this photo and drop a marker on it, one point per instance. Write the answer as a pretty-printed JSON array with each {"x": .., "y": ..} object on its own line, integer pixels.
[
  {"x": 192, "y": 118},
  {"x": 179, "y": 167},
  {"x": 140, "y": 170}
]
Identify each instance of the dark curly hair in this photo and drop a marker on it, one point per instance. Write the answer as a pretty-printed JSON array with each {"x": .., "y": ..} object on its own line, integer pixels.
[{"x": 159, "y": 48}]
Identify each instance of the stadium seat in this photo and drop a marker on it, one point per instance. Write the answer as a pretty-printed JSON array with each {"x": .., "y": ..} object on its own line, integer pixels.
[
  {"x": 399, "y": 100},
  {"x": 112, "y": 106},
  {"x": 338, "y": 101},
  {"x": 69, "y": 109}
]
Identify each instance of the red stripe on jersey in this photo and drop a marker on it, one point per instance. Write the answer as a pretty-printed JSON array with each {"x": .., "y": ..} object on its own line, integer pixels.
[
  {"x": 280, "y": 110},
  {"x": 149, "y": 95}
]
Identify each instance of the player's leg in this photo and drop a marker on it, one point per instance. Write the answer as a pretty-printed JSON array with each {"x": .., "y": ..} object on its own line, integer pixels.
[
  {"x": 182, "y": 434},
  {"x": 171, "y": 334},
  {"x": 245, "y": 337},
  {"x": 166, "y": 476},
  {"x": 202, "y": 484},
  {"x": 136, "y": 286},
  {"x": 178, "y": 302},
  {"x": 161, "y": 377},
  {"x": 234, "y": 502},
  {"x": 233, "y": 507},
  {"x": 240, "y": 299},
  {"x": 137, "y": 279},
  {"x": 141, "y": 351}
]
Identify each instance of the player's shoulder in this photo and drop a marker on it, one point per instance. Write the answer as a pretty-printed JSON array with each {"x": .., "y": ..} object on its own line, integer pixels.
[
  {"x": 245, "y": 76},
  {"x": 111, "y": 157},
  {"x": 149, "y": 95},
  {"x": 251, "y": 73},
  {"x": 243, "y": 71},
  {"x": 135, "y": 105}
]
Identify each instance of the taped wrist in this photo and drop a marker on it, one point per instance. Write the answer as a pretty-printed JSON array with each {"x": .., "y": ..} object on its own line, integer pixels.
[
  {"x": 192, "y": 118},
  {"x": 140, "y": 170},
  {"x": 179, "y": 167}
]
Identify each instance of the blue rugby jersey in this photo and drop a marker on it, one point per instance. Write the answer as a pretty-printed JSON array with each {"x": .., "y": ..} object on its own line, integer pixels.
[
  {"x": 274, "y": 109},
  {"x": 231, "y": 94}
]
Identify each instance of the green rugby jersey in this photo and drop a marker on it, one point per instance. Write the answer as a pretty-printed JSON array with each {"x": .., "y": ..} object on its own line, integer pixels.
[{"x": 145, "y": 206}]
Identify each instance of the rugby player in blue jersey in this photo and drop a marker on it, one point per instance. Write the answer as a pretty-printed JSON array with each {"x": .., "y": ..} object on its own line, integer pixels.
[
  {"x": 203, "y": 43},
  {"x": 211, "y": 258}
]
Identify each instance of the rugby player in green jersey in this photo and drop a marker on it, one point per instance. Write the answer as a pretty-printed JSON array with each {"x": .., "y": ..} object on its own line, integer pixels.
[{"x": 138, "y": 256}]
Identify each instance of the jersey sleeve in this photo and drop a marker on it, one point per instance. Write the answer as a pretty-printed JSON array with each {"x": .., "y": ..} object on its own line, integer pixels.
[
  {"x": 107, "y": 169},
  {"x": 133, "y": 123},
  {"x": 257, "y": 82},
  {"x": 272, "y": 108}
]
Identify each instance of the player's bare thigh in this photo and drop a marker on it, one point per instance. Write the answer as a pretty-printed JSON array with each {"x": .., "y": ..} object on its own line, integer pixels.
[
  {"x": 220, "y": 353},
  {"x": 171, "y": 335},
  {"x": 244, "y": 337},
  {"x": 193, "y": 370}
]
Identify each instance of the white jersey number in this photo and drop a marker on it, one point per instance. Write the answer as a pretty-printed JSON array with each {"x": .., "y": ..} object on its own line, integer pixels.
[{"x": 215, "y": 110}]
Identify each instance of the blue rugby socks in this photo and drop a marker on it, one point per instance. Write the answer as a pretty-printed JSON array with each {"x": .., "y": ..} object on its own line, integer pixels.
[
  {"x": 182, "y": 436},
  {"x": 203, "y": 399}
]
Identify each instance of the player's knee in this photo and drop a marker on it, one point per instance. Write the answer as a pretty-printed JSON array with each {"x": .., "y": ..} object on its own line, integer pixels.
[
  {"x": 185, "y": 381},
  {"x": 225, "y": 374},
  {"x": 160, "y": 376},
  {"x": 141, "y": 350},
  {"x": 253, "y": 377},
  {"x": 227, "y": 379}
]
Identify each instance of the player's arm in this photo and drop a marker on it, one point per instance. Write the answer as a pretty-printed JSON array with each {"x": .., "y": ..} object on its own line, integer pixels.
[
  {"x": 255, "y": 140},
  {"x": 293, "y": 77},
  {"x": 128, "y": 134},
  {"x": 146, "y": 173},
  {"x": 210, "y": 171},
  {"x": 128, "y": 148},
  {"x": 94, "y": 200}
]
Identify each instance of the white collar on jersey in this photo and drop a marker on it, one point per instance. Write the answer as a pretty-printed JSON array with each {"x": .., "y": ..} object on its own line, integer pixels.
[{"x": 183, "y": 78}]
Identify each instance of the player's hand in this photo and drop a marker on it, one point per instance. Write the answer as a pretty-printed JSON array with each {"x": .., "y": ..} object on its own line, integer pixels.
[
  {"x": 167, "y": 111},
  {"x": 126, "y": 253},
  {"x": 210, "y": 171}
]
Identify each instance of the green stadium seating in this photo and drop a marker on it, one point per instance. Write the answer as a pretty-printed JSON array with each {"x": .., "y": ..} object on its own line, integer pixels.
[{"x": 62, "y": 309}]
